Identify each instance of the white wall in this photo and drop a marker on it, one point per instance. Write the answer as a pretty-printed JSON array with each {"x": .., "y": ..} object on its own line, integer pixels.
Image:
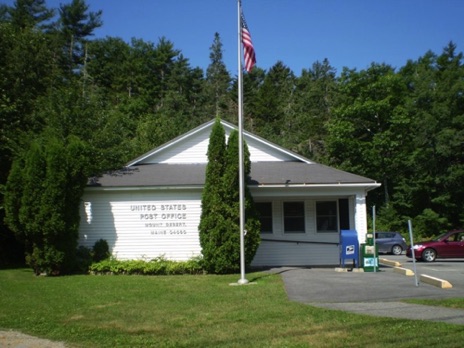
[
  {"x": 152, "y": 223},
  {"x": 194, "y": 150},
  {"x": 296, "y": 249},
  {"x": 142, "y": 224}
]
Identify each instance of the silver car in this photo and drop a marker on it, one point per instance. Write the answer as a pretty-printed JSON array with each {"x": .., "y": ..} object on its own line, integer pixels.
[{"x": 390, "y": 242}]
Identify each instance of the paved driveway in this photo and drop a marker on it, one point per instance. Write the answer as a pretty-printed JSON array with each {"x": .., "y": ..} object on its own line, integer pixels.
[
  {"x": 377, "y": 293},
  {"x": 451, "y": 270}
]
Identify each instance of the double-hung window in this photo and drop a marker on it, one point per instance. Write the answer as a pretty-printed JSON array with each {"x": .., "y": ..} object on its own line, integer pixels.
[
  {"x": 294, "y": 217},
  {"x": 265, "y": 216},
  {"x": 326, "y": 216}
]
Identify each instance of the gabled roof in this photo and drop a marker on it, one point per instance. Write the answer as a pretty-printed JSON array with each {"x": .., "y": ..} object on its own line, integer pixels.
[
  {"x": 199, "y": 137},
  {"x": 262, "y": 174},
  {"x": 181, "y": 163}
]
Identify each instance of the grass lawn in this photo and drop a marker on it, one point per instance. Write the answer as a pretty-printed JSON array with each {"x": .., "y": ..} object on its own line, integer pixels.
[{"x": 194, "y": 311}]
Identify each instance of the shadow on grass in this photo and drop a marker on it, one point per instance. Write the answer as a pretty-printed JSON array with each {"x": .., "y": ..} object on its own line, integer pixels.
[
  {"x": 266, "y": 272},
  {"x": 14, "y": 266}
]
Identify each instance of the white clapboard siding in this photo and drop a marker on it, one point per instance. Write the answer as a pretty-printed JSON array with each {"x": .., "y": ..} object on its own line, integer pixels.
[
  {"x": 142, "y": 225},
  {"x": 295, "y": 254},
  {"x": 146, "y": 225},
  {"x": 296, "y": 249},
  {"x": 194, "y": 149}
]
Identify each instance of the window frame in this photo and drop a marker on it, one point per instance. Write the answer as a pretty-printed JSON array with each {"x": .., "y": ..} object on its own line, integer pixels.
[
  {"x": 299, "y": 219},
  {"x": 268, "y": 217},
  {"x": 330, "y": 217}
]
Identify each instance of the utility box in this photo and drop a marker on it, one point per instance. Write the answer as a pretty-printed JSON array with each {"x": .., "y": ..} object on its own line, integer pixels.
[
  {"x": 349, "y": 247},
  {"x": 369, "y": 254}
]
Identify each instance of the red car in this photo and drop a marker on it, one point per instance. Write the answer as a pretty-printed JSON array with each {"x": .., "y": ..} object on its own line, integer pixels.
[{"x": 448, "y": 245}]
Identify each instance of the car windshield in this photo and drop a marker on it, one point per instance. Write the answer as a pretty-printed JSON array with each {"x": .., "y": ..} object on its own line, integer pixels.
[{"x": 440, "y": 237}]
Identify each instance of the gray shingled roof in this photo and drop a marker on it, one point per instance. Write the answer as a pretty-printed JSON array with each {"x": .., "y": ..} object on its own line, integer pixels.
[
  {"x": 269, "y": 173},
  {"x": 262, "y": 173}
]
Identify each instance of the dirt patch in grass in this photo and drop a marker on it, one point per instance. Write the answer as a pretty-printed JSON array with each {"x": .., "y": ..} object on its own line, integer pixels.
[{"x": 10, "y": 339}]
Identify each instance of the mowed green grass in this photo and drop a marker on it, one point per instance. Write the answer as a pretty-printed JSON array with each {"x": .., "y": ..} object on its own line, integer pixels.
[
  {"x": 194, "y": 311},
  {"x": 456, "y": 303}
]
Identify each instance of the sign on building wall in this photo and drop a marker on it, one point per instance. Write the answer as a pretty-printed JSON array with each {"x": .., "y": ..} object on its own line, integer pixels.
[{"x": 143, "y": 229}]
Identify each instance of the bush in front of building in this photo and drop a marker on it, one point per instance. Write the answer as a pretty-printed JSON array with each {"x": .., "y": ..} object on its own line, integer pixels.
[
  {"x": 86, "y": 256},
  {"x": 42, "y": 200},
  {"x": 100, "y": 250},
  {"x": 83, "y": 259},
  {"x": 158, "y": 266}
]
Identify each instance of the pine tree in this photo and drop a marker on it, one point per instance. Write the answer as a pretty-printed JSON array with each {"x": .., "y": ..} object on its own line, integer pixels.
[
  {"x": 217, "y": 78},
  {"x": 29, "y": 14},
  {"x": 76, "y": 24}
]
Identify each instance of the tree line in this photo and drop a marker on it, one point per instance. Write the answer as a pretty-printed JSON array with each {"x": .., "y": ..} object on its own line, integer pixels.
[{"x": 112, "y": 100}]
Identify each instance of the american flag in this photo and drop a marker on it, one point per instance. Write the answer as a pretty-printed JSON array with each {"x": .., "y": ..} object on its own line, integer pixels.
[{"x": 248, "y": 49}]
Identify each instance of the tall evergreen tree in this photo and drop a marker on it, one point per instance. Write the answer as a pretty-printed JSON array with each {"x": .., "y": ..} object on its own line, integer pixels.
[
  {"x": 76, "y": 24},
  {"x": 53, "y": 177},
  {"x": 213, "y": 222},
  {"x": 252, "y": 82},
  {"x": 29, "y": 14},
  {"x": 220, "y": 219},
  {"x": 217, "y": 79},
  {"x": 26, "y": 224},
  {"x": 231, "y": 184},
  {"x": 315, "y": 98},
  {"x": 275, "y": 104}
]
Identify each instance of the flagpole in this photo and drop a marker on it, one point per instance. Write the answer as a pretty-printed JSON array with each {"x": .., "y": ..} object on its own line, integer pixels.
[{"x": 242, "y": 279}]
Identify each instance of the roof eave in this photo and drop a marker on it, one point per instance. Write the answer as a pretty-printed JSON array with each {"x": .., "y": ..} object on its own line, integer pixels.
[
  {"x": 143, "y": 188},
  {"x": 369, "y": 186}
]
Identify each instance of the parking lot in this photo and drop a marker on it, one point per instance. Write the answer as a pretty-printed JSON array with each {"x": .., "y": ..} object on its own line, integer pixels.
[
  {"x": 378, "y": 293},
  {"x": 451, "y": 270},
  {"x": 327, "y": 285}
]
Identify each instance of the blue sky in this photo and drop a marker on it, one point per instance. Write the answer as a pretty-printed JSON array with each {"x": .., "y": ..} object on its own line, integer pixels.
[{"x": 351, "y": 33}]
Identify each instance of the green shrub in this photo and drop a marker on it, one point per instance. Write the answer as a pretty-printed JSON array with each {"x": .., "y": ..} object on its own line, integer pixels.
[
  {"x": 100, "y": 250},
  {"x": 158, "y": 266},
  {"x": 42, "y": 200},
  {"x": 84, "y": 259},
  {"x": 46, "y": 260}
]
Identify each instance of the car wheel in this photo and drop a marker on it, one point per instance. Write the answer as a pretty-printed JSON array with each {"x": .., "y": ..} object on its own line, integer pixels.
[
  {"x": 397, "y": 250},
  {"x": 429, "y": 255}
]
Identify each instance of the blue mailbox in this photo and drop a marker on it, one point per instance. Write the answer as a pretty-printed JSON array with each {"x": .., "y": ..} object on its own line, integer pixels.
[{"x": 349, "y": 247}]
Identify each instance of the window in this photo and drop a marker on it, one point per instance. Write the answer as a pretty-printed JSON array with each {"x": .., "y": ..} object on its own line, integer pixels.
[
  {"x": 294, "y": 217},
  {"x": 344, "y": 213},
  {"x": 265, "y": 216},
  {"x": 326, "y": 216}
]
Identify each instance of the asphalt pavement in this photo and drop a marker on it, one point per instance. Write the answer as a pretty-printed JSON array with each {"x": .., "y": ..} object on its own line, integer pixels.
[{"x": 378, "y": 293}]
